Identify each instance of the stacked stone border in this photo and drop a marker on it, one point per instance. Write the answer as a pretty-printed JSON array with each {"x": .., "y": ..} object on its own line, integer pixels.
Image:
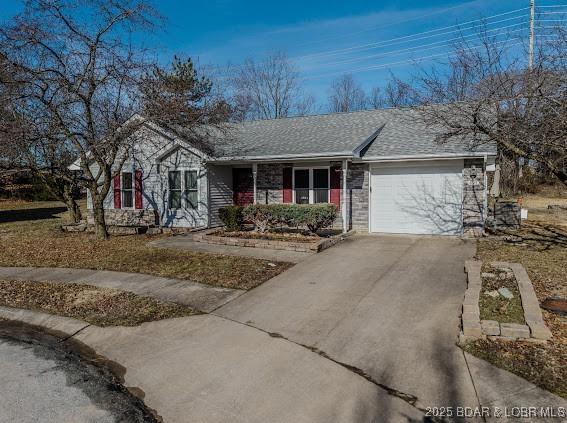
[
  {"x": 474, "y": 328},
  {"x": 208, "y": 236}
]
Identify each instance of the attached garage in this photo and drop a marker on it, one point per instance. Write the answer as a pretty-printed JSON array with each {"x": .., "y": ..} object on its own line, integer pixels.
[{"x": 416, "y": 197}]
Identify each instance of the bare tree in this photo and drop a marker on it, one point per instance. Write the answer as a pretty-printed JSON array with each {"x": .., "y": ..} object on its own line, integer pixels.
[
  {"x": 78, "y": 75},
  {"x": 375, "y": 99},
  {"x": 32, "y": 146},
  {"x": 269, "y": 89},
  {"x": 486, "y": 94},
  {"x": 346, "y": 95},
  {"x": 396, "y": 93}
]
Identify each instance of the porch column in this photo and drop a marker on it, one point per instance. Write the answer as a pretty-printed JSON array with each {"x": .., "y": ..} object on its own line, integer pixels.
[
  {"x": 254, "y": 177},
  {"x": 344, "y": 196}
]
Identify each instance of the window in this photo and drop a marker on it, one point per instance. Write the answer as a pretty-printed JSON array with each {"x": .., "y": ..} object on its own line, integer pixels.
[
  {"x": 191, "y": 189},
  {"x": 311, "y": 185},
  {"x": 183, "y": 189},
  {"x": 320, "y": 185},
  {"x": 127, "y": 194},
  {"x": 174, "y": 180},
  {"x": 302, "y": 186}
]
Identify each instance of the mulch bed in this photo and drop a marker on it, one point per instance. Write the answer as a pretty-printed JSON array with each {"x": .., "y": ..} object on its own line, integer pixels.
[
  {"x": 98, "y": 306},
  {"x": 269, "y": 236},
  {"x": 498, "y": 308}
]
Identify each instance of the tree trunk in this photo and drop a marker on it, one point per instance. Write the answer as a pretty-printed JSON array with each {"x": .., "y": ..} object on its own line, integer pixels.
[
  {"x": 99, "y": 221},
  {"x": 562, "y": 176},
  {"x": 75, "y": 214}
]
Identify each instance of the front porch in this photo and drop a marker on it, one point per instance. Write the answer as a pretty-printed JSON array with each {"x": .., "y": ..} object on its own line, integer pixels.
[{"x": 338, "y": 182}]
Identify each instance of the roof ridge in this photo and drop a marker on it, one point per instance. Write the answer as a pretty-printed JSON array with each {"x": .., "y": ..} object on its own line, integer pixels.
[{"x": 381, "y": 109}]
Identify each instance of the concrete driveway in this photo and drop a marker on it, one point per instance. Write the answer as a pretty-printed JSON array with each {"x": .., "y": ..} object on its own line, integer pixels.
[{"x": 388, "y": 306}]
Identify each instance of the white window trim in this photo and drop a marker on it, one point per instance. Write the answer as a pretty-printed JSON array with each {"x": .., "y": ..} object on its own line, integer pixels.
[
  {"x": 133, "y": 189},
  {"x": 311, "y": 189},
  {"x": 184, "y": 203},
  {"x": 185, "y": 190}
]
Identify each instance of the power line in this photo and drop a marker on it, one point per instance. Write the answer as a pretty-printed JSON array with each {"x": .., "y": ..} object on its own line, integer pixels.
[
  {"x": 382, "y": 44},
  {"x": 437, "y": 32},
  {"x": 410, "y": 61},
  {"x": 436, "y": 12},
  {"x": 429, "y": 46},
  {"x": 458, "y": 26}
]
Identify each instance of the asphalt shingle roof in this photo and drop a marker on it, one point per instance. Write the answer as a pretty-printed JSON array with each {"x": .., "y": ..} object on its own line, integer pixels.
[{"x": 401, "y": 134}]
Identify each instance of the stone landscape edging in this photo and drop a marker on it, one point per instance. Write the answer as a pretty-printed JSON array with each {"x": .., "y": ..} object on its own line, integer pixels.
[
  {"x": 208, "y": 236},
  {"x": 535, "y": 328}
]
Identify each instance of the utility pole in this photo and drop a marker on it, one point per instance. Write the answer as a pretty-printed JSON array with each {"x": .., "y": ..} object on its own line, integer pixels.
[{"x": 532, "y": 35}]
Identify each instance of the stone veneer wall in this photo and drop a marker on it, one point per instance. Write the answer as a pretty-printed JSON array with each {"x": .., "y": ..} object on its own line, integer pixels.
[
  {"x": 473, "y": 198},
  {"x": 269, "y": 183},
  {"x": 358, "y": 195},
  {"x": 126, "y": 217}
]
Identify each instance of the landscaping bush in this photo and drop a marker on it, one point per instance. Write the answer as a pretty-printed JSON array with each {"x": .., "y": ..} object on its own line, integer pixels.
[
  {"x": 319, "y": 216},
  {"x": 232, "y": 218},
  {"x": 310, "y": 216},
  {"x": 261, "y": 215}
]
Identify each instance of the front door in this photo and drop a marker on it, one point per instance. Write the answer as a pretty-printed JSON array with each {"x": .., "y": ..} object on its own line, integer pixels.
[{"x": 243, "y": 186}]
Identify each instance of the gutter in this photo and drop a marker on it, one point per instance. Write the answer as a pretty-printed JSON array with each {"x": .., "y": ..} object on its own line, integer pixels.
[
  {"x": 448, "y": 156},
  {"x": 283, "y": 157}
]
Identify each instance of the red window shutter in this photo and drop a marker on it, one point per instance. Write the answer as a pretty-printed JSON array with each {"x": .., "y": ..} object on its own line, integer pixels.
[
  {"x": 287, "y": 185},
  {"x": 116, "y": 191},
  {"x": 138, "y": 189},
  {"x": 336, "y": 186}
]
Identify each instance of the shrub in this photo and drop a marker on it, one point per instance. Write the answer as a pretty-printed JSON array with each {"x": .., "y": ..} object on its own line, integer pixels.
[
  {"x": 311, "y": 216},
  {"x": 318, "y": 216},
  {"x": 261, "y": 215},
  {"x": 232, "y": 218}
]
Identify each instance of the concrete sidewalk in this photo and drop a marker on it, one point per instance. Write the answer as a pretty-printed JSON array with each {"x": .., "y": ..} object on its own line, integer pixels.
[
  {"x": 208, "y": 369},
  {"x": 198, "y": 296}
]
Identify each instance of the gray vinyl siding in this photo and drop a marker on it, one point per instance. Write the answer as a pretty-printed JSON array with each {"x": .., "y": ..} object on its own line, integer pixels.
[
  {"x": 155, "y": 155},
  {"x": 220, "y": 191}
]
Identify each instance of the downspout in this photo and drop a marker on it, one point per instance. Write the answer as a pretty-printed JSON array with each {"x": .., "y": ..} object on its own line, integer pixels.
[
  {"x": 485, "y": 203},
  {"x": 345, "y": 214},
  {"x": 208, "y": 168},
  {"x": 254, "y": 177}
]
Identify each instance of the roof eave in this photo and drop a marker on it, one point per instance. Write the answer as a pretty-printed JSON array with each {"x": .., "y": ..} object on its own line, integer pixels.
[
  {"x": 470, "y": 155},
  {"x": 283, "y": 157}
]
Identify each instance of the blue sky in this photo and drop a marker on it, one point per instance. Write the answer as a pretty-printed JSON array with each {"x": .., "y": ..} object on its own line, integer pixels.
[{"x": 328, "y": 38}]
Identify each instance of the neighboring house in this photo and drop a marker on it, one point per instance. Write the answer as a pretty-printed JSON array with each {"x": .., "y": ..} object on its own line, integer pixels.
[{"x": 383, "y": 170}]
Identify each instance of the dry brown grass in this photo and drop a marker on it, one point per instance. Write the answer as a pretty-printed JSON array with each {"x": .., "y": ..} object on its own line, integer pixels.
[
  {"x": 544, "y": 365},
  {"x": 29, "y": 236},
  {"x": 537, "y": 206},
  {"x": 98, "y": 306}
]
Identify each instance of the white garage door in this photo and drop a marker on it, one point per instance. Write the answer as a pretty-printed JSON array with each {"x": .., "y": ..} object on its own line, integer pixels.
[{"x": 417, "y": 198}]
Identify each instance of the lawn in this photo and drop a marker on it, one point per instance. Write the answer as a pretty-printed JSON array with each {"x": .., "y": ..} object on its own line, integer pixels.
[
  {"x": 537, "y": 205},
  {"x": 30, "y": 236},
  {"x": 98, "y": 306},
  {"x": 542, "y": 249}
]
